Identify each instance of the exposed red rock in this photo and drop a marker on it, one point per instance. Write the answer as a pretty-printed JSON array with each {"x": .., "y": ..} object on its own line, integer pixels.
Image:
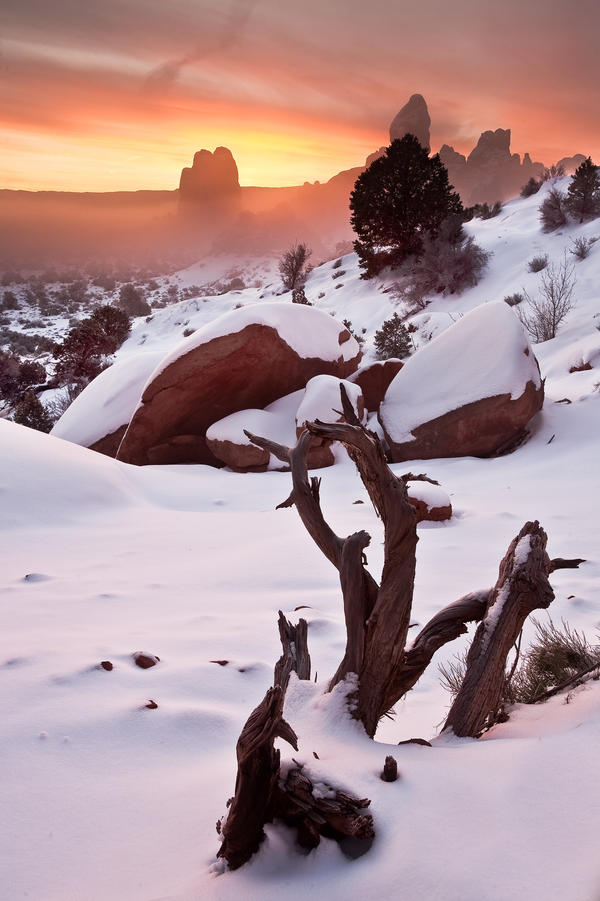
[
  {"x": 484, "y": 428},
  {"x": 245, "y": 369},
  {"x": 374, "y": 381},
  {"x": 426, "y": 513}
]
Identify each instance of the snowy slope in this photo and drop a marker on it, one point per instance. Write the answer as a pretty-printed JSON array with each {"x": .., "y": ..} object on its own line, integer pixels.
[{"x": 104, "y": 798}]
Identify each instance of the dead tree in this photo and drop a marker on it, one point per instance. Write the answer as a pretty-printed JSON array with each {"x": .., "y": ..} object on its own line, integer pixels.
[
  {"x": 522, "y": 587},
  {"x": 259, "y": 796},
  {"x": 378, "y": 615}
]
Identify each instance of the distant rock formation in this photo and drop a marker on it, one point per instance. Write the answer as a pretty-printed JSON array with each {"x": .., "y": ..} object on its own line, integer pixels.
[
  {"x": 570, "y": 163},
  {"x": 413, "y": 119},
  {"x": 490, "y": 172},
  {"x": 212, "y": 179}
]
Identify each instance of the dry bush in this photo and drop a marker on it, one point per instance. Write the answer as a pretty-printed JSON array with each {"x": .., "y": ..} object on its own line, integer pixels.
[
  {"x": 553, "y": 211},
  {"x": 556, "y": 655},
  {"x": 536, "y": 264},
  {"x": 543, "y": 314}
]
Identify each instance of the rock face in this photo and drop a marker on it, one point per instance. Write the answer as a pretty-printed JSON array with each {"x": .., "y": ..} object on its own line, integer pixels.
[
  {"x": 490, "y": 172},
  {"x": 412, "y": 119},
  {"x": 374, "y": 380},
  {"x": 245, "y": 359},
  {"x": 213, "y": 178},
  {"x": 470, "y": 392}
]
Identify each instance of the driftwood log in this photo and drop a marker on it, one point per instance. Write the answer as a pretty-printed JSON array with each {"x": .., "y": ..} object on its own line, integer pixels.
[{"x": 260, "y": 796}]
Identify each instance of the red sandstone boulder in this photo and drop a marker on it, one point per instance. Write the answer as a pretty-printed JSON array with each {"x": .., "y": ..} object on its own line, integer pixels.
[
  {"x": 469, "y": 392},
  {"x": 245, "y": 359},
  {"x": 374, "y": 380},
  {"x": 430, "y": 502}
]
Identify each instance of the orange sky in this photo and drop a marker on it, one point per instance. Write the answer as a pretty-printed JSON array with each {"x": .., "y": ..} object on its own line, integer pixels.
[{"x": 119, "y": 95}]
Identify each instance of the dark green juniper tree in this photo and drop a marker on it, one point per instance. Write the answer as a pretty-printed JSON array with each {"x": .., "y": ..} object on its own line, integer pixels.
[
  {"x": 583, "y": 198},
  {"x": 399, "y": 199}
]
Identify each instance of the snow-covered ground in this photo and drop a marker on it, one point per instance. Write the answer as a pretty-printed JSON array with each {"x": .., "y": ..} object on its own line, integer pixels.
[{"x": 104, "y": 798}]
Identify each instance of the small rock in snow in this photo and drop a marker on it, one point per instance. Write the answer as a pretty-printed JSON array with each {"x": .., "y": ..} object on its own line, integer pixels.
[
  {"x": 151, "y": 705},
  {"x": 107, "y": 665},
  {"x": 145, "y": 660}
]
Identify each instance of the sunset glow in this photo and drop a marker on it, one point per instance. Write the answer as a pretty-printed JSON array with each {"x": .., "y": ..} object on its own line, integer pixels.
[{"x": 121, "y": 100}]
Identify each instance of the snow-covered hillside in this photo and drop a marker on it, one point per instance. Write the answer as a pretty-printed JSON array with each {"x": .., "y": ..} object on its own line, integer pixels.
[{"x": 107, "y": 798}]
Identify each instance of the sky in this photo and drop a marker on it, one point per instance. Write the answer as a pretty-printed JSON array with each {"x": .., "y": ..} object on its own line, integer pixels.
[{"x": 119, "y": 95}]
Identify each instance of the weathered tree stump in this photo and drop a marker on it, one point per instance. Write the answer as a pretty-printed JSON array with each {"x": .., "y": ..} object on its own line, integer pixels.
[
  {"x": 522, "y": 587},
  {"x": 259, "y": 796}
]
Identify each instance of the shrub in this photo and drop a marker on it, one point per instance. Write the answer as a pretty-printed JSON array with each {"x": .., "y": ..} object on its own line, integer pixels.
[
  {"x": 583, "y": 197},
  {"x": 485, "y": 211},
  {"x": 292, "y": 266},
  {"x": 536, "y": 264},
  {"x": 552, "y": 172},
  {"x": 132, "y": 301},
  {"x": 531, "y": 187},
  {"x": 514, "y": 300},
  {"x": 299, "y": 296},
  {"x": 580, "y": 248},
  {"x": 82, "y": 355},
  {"x": 337, "y": 264},
  {"x": 556, "y": 655},
  {"x": 32, "y": 413},
  {"x": 553, "y": 211},
  {"x": 17, "y": 376},
  {"x": 392, "y": 339},
  {"x": 544, "y": 313},
  {"x": 339, "y": 273},
  {"x": 448, "y": 264},
  {"x": 9, "y": 301},
  {"x": 402, "y": 196}
]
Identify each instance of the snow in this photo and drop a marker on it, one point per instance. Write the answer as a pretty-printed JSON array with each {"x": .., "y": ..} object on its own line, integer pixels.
[
  {"x": 104, "y": 798},
  {"x": 322, "y": 399},
  {"x": 432, "y": 495},
  {"x": 308, "y": 331},
  {"x": 484, "y": 354},
  {"x": 108, "y": 402}
]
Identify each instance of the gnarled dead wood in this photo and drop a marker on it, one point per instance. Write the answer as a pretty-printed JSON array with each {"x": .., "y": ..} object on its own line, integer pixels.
[
  {"x": 259, "y": 794},
  {"x": 445, "y": 626},
  {"x": 377, "y": 617},
  {"x": 522, "y": 587},
  {"x": 257, "y": 776},
  {"x": 294, "y": 641},
  {"x": 328, "y": 812}
]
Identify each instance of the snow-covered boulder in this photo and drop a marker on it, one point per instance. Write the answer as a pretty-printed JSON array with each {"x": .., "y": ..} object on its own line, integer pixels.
[
  {"x": 282, "y": 422},
  {"x": 469, "y": 392},
  {"x": 244, "y": 359},
  {"x": 374, "y": 380},
  {"x": 430, "y": 502},
  {"x": 322, "y": 400},
  {"x": 98, "y": 416}
]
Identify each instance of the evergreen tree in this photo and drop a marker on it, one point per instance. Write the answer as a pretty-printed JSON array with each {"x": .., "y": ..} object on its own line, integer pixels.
[
  {"x": 133, "y": 301},
  {"x": 392, "y": 339},
  {"x": 583, "y": 198},
  {"x": 401, "y": 197},
  {"x": 32, "y": 413},
  {"x": 82, "y": 354}
]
